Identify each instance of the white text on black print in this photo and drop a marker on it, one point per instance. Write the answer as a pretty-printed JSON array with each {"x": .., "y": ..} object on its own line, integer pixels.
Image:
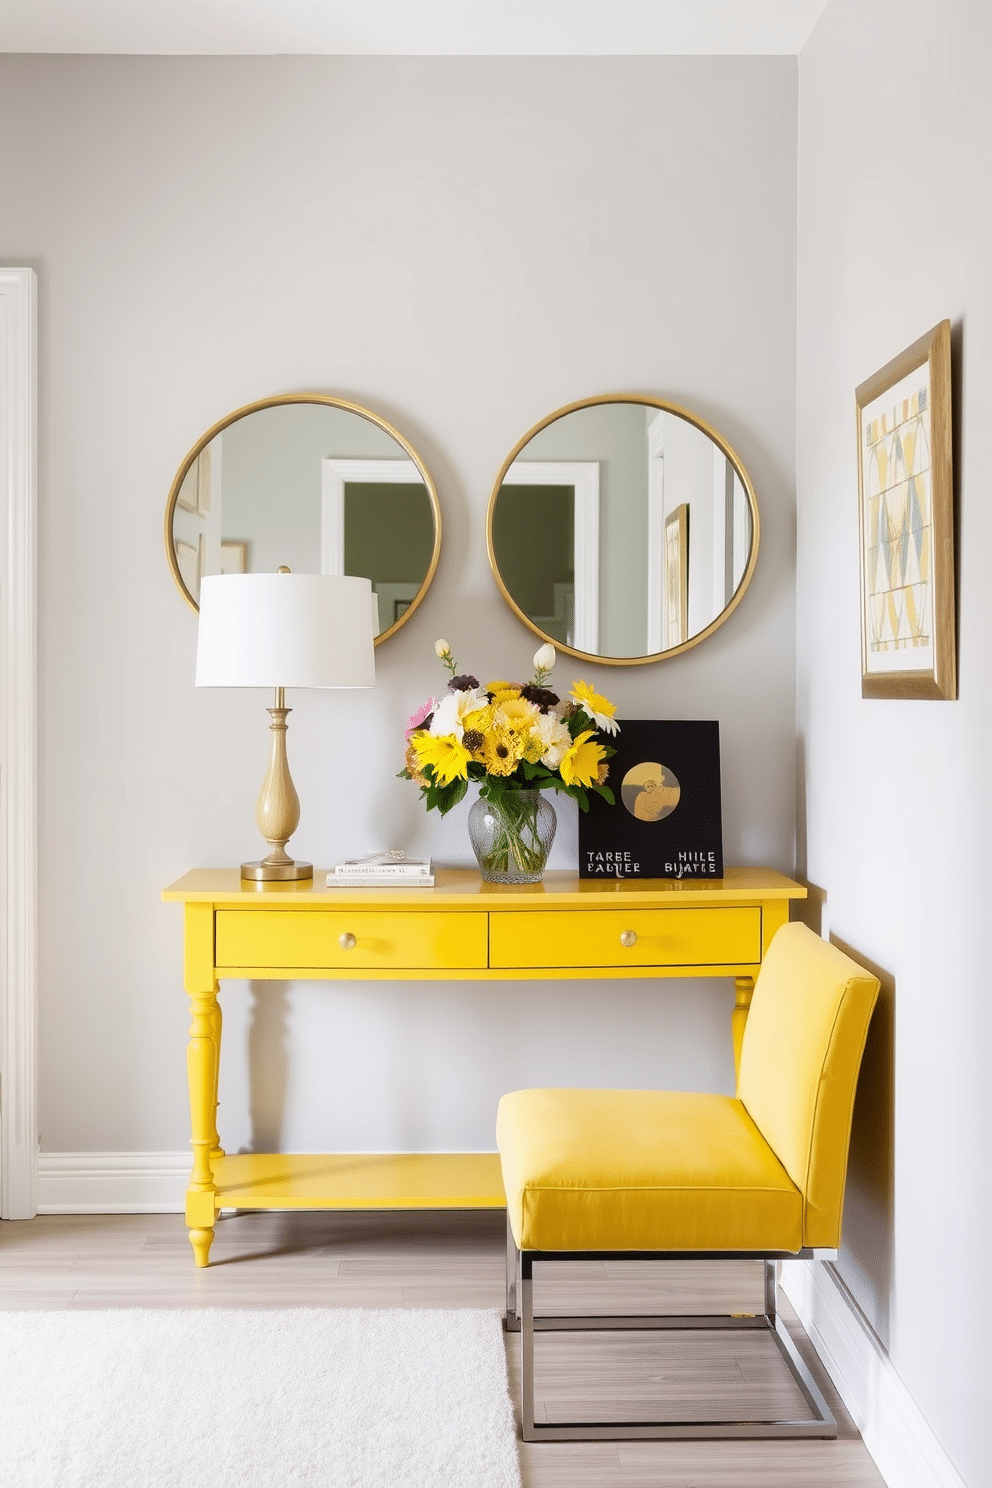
[
  {"x": 613, "y": 864},
  {"x": 692, "y": 865}
]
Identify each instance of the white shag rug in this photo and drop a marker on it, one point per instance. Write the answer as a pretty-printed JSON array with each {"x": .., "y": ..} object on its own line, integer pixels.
[{"x": 296, "y": 1398}]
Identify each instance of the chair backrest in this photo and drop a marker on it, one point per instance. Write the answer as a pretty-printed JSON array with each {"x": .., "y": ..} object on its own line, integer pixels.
[{"x": 802, "y": 1049}]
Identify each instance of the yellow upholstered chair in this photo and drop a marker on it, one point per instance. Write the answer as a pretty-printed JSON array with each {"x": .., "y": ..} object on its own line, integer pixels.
[{"x": 625, "y": 1174}]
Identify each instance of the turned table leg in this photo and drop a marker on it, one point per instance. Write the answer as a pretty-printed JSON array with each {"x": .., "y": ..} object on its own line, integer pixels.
[
  {"x": 743, "y": 989},
  {"x": 202, "y": 1060},
  {"x": 216, "y": 1150}
]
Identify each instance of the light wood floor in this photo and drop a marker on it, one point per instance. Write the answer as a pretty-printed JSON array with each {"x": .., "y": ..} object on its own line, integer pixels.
[{"x": 457, "y": 1260}]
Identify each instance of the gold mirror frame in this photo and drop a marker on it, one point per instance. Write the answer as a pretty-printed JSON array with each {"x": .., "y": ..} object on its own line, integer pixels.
[
  {"x": 327, "y": 400},
  {"x": 703, "y": 427}
]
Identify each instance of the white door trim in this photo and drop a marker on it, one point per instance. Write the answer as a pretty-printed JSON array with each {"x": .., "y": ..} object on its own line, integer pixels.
[
  {"x": 583, "y": 477},
  {"x": 656, "y": 535},
  {"x": 19, "y": 743},
  {"x": 334, "y": 475}
]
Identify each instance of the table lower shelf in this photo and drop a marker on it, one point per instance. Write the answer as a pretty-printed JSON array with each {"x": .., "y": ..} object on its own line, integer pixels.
[{"x": 359, "y": 1180}]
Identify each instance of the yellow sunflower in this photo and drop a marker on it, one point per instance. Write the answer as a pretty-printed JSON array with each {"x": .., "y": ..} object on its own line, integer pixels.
[
  {"x": 533, "y": 746},
  {"x": 502, "y": 692},
  {"x": 581, "y": 764},
  {"x": 479, "y": 720},
  {"x": 516, "y": 713},
  {"x": 599, "y": 708},
  {"x": 501, "y": 751},
  {"x": 446, "y": 756}
]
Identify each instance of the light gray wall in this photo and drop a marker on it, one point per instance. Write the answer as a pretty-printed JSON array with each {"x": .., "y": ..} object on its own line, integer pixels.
[
  {"x": 895, "y": 234},
  {"x": 463, "y": 246}
]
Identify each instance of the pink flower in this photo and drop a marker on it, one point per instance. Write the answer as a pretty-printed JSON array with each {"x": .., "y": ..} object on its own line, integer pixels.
[{"x": 419, "y": 717}]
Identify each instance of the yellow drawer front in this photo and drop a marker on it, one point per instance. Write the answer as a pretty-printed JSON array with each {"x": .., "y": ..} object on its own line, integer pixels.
[
  {"x": 339, "y": 939},
  {"x": 640, "y": 937}
]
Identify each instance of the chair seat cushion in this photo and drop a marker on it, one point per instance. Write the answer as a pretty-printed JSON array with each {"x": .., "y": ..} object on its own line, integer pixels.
[{"x": 642, "y": 1170}]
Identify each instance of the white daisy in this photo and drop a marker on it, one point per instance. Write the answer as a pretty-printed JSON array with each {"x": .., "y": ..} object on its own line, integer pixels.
[
  {"x": 555, "y": 738},
  {"x": 450, "y": 713}
]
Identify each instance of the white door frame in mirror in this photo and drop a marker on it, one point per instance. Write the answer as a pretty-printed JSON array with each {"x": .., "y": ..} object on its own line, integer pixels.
[
  {"x": 656, "y": 532},
  {"x": 19, "y": 759},
  {"x": 334, "y": 476},
  {"x": 583, "y": 477}
]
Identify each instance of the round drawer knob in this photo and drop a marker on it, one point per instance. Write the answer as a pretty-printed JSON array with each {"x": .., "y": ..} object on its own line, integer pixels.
[
  {"x": 347, "y": 941},
  {"x": 628, "y": 937}
]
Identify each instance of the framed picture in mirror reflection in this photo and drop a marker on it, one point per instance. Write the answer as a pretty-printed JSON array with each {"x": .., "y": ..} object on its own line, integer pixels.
[{"x": 677, "y": 576}]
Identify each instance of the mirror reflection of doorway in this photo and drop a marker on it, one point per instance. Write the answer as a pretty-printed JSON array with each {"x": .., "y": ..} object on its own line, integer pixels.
[
  {"x": 376, "y": 524},
  {"x": 540, "y": 572},
  {"x": 546, "y": 539}
]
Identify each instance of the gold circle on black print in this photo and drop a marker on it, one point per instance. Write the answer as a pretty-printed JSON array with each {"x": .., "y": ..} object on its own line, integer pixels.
[{"x": 650, "y": 791}]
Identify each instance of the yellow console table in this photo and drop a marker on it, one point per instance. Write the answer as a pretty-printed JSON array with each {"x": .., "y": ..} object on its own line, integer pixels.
[{"x": 462, "y": 929}]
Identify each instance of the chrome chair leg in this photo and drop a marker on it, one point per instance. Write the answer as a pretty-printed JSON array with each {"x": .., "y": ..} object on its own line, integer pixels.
[
  {"x": 511, "y": 1321},
  {"x": 771, "y": 1291},
  {"x": 821, "y": 1424}
]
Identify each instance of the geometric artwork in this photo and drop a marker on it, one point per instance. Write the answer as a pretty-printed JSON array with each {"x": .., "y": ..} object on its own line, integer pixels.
[
  {"x": 905, "y": 501},
  {"x": 898, "y": 514}
]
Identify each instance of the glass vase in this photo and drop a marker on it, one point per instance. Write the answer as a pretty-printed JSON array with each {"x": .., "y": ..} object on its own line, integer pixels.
[{"x": 512, "y": 836}]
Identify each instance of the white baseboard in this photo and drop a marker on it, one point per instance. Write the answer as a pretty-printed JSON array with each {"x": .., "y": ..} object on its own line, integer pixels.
[
  {"x": 113, "y": 1182},
  {"x": 892, "y": 1426}
]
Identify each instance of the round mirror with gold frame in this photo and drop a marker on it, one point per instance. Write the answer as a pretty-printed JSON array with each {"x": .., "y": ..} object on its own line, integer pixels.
[
  {"x": 622, "y": 528},
  {"x": 314, "y": 483}
]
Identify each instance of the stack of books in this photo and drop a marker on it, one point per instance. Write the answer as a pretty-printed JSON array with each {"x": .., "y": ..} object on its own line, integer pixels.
[{"x": 382, "y": 869}]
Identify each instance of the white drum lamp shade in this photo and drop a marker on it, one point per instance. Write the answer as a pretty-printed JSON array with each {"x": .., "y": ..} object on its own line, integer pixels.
[{"x": 283, "y": 630}]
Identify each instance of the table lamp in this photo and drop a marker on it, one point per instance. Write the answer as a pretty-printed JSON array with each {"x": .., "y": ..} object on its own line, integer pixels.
[{"x": 283, "y": 630}]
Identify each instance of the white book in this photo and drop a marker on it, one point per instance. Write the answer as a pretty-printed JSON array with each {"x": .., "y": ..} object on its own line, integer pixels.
[
  {"x": 385, "y": 865},
  {"x": 338, "y": 880}
]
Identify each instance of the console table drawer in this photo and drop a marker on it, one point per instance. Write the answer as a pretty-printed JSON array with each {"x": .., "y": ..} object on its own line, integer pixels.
[
  {"x": 661, "y": 937},
  {"x": 341, "y": 938}
]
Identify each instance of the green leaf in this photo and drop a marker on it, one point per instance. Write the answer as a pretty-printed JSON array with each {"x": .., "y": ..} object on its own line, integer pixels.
[{"x": 459, "y": 790}]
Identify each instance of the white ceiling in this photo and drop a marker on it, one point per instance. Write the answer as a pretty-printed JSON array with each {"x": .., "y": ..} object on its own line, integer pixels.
[{"x": 410, "y": 27}]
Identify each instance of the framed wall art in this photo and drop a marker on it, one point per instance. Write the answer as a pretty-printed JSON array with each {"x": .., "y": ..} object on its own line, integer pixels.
[
  {"x": 667, "y": 820},
  {"x": 906, "y": 511}
]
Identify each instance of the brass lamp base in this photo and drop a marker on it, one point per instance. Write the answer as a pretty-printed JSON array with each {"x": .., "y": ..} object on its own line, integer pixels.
[
  {"x": 277, "y": 810},
  {"x": 263, "y": 872}
]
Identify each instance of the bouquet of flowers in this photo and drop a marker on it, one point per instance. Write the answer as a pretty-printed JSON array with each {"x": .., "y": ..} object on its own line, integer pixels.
[{"x": 516, "y": 739}]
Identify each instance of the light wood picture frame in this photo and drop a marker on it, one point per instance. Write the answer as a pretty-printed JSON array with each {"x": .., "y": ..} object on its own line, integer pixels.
[
  {"x": 187, "y": 497},
  {"x": 677, "y": 576},
  {"x": 233, "y": 556},
  {"x": 906, "y": 517},
  {"x": 188, "y": 559}
]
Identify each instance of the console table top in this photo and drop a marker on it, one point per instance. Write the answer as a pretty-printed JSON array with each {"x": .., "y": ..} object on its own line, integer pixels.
[{"x": 460, "y": 886}]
